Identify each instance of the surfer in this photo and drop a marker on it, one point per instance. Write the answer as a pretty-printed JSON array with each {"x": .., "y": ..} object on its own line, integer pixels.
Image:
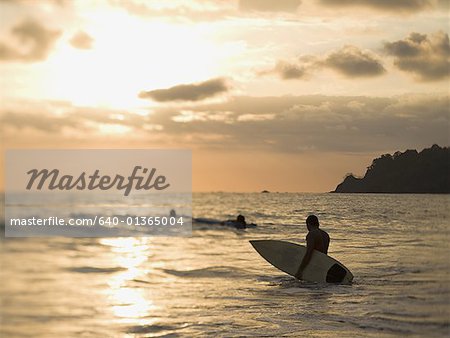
[
  {"x": 317, "y": 239},
  {"x": 238, "y": 223}
]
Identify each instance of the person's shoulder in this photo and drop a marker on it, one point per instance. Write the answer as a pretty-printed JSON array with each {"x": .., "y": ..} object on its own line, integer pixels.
[
  {"x": 325, "y": 233},
  {"x": 313, "y": 233}
]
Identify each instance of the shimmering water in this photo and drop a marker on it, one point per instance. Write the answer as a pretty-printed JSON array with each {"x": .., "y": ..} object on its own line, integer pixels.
[{"x": 215, "y": 284}]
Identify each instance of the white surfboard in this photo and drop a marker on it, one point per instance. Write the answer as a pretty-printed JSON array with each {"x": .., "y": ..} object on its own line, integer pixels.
[{"x": 287, "y": 257}]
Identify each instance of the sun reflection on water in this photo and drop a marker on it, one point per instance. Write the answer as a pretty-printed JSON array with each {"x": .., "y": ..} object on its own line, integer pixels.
[{"x": 130, "y": 304}]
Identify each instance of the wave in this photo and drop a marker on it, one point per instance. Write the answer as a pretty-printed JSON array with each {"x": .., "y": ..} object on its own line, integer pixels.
[
  {"x": 90, "y": 269},
  {"x": 155, "y": 328},
  {"x": 209, "y": 272}
]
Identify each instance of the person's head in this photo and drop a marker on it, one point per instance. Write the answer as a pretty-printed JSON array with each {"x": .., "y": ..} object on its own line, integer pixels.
[
  {"x": 240, "y": 219},
  {"x": 312, "y": 222}
]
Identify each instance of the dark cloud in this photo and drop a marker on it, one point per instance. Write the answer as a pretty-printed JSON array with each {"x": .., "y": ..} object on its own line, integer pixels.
[
  {"x": 323, "y": 123},
  {"x": 427, "y": 57},
  {"x": 269, "y": 5},
  {"x": 289, "y": 71},
  {"x": 188, "y": 92},
  {"x": 34, "y": 42},
  {"x": 82, "y": 40},
  {"x": 353, "y": 62},
  {"x": 387, "y": 5},
  {"x": 349, "y": 61}
]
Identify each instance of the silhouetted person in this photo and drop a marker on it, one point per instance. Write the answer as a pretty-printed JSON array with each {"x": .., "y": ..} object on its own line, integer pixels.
[
  {"x": 172, "y": 213},
  {"x": 238, "y": 223},
  {"x": 316, "y": 239}
]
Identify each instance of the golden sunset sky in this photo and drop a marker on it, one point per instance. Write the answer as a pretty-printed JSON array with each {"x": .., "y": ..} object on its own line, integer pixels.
[{"x": 283, "y": 95}]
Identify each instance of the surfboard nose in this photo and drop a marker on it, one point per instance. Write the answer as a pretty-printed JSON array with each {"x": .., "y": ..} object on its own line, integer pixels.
[{"x": 261, "y": 246}]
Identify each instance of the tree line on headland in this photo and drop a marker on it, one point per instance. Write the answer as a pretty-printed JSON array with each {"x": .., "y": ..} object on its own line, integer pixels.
[{"x": 408, "y": 172}]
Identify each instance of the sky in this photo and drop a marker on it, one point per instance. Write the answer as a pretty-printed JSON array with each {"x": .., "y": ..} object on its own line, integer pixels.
[{"x": 282, "y": 95}]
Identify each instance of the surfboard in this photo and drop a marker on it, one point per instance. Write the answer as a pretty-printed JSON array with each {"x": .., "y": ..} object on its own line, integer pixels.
[{"x": 287, "y": 257}]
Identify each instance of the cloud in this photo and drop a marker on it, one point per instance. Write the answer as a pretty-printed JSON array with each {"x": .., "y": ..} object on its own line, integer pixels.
[
  {"x": 256, "y": 117},
  {"x": 269, "y": 5},
  {"x": 55, "y": 117},
  {"x": 349, "y": 61},
  {"x": 292, "y": 124},
  {"x": 48, "y": 124},
  {"x": 27, "y": 2},
  {"x": 82, "y": 40},
  {"x": 353, "y": 62},
  {"x": 186, "y": 116},
  {"x": 288, "y": 124},
  {"x": 426, "y": 57},
  {"x": 34, "y": 42},
  {"x": 194, "y": 11},
  {"x": 289, "y": 71},
  {"x": 386, "y": 5},
  {"x": 188, "y": 92}
]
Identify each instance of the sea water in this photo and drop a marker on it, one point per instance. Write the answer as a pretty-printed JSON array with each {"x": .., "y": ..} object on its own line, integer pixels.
[{"x": 214, "y": 284}]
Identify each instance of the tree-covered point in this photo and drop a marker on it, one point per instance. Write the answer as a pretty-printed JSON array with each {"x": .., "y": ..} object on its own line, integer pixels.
[{"x": 407, "y": 172}]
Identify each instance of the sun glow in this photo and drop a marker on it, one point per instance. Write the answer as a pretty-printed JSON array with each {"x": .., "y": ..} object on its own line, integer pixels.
[{"x": 130, "y": 55}]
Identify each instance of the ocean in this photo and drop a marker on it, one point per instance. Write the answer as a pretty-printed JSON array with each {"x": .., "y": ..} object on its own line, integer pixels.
[{"x": 214, "y": 284}]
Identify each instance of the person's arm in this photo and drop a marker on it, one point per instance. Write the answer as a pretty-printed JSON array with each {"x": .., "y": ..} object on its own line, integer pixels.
[{"x": 307, "y": 257}]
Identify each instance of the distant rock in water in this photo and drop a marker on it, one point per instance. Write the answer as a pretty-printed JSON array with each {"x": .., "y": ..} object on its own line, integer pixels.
[
  {"x": 265, "y": 192},
  {"x": 407, "y": 172}
]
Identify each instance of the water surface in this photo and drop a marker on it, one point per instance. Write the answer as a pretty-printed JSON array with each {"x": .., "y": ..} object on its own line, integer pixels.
[{"x": 213, "y": 283}]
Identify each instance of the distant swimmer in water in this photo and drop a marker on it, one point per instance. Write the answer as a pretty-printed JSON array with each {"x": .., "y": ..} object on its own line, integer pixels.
[
  {"x": 172, "y": 213},
  {"x": 317, "y": 239},
  {"x": 238, "y": 223}
]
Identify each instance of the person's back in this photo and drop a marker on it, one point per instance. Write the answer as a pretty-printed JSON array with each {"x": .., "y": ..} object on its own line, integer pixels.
[
  {"x": 326, "y": 241},
  {"x": 317, "y": 239}
]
